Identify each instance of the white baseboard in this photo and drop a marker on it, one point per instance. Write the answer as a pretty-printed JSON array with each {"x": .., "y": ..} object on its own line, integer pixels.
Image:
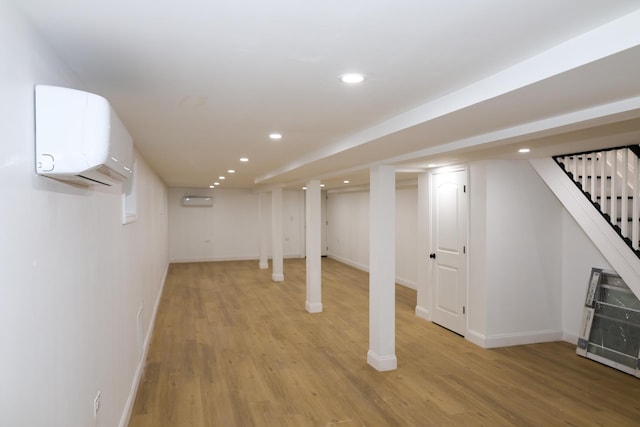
[
  {"x": 407, "y": 283},
  {"x": 382, "y": 363},
  {"x": 423, "y": 313},
  {"x": 507, "y": 340},
  {"x": 313, "y": 307},
  {"x": 570, "y": 338},
  {"x": 476, "y": 338},
  {"x": 137, "y": 377},
  {"x": 399, "y": 280},
  {"x": 349, "y": 262},
  {"x": 230, "y": 258}
]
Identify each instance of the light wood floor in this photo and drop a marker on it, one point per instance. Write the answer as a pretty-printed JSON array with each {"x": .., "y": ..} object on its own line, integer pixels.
[{"x": 233, "y": 348}]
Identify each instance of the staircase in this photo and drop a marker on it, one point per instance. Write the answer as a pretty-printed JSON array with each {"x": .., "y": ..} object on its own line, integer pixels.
[
  {"x": 589, "y": 213},
  {"x": 610, "y": 179}
]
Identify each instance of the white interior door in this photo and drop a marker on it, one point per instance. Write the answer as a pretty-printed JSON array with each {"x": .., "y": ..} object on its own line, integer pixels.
[{"x": 448, "y": 249}]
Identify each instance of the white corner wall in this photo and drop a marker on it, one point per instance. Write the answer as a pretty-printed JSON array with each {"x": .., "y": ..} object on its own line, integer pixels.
[
  {"x": 72, "y": 277},
  {"x": 229, "y": 230},
  {"x": 348, "y": 231},
  {"x": 519, "y": 263}
]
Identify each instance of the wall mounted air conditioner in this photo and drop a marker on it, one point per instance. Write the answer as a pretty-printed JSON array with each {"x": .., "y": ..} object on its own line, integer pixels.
[
  {"x": 197, "y": 201},
  {"x": 80, "y": 138}
]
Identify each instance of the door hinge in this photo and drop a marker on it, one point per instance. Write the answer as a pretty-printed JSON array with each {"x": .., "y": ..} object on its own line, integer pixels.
[
  {"x": 464, "y": 188},
  {"x": 464, "y": 310},
  {"x": 464, "y": 249}
]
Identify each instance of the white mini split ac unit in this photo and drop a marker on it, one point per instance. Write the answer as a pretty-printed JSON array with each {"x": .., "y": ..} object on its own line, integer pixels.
[
  {"x": 80, "y": 138},
  {"x": 199, "y": 201}
]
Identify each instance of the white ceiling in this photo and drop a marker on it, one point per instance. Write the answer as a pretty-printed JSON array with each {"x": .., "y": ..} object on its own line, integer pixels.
[{"x": 200, "y": 84}]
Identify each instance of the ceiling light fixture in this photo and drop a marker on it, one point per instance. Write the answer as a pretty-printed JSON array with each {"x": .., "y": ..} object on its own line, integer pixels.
[
  {"x": 216, "y": 183},
  {"x": 212, "y": 186},
  {"x": 221, "y": 177},
  {"x": 322, "y": 185},
  {"x": 304, "y": 188},
  {"x": 231, "y": 171},
  {"x": 244, "y": 159},
  {"x": 523, "y": 150},
  {"x": 346, "y": 181},
  {"x": 275, "y": 136},
  {"x": 352, "y": 78}
]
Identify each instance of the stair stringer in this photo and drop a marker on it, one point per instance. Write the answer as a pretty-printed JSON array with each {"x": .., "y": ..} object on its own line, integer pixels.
[{"x": 621, "y": 257}]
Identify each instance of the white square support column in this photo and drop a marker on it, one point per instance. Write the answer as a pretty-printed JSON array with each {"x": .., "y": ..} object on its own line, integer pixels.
[
  {"x": 313, "y": 303},
  {"x": 277, "y": 273},
  {"x": 262, "y": 223},
  {"x": 382, "y": 266}
]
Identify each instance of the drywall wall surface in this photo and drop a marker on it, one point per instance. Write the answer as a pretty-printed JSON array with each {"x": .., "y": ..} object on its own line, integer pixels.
[
  {"x": 73, "y": 278},
  {"x": 348, "y": 228},
  {"x": 523, "y": 253},
  {"x": 579, "y": 256},
  {"x": 477, "y": 258},
  {"x": 348, "y": 231},
  {"x": 230, "y": 229},
  {"x": 407, "y": 256}
]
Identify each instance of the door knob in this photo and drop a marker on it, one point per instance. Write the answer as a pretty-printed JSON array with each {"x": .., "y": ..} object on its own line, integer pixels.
[{"x": 432, "y": 256}]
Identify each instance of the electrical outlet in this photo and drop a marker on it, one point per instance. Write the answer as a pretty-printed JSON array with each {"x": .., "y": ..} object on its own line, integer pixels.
[{"x": 96, "y": 404}]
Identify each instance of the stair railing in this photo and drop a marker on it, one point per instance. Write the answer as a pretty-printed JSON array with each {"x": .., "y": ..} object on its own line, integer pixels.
[{"x": 610, "y": 178}]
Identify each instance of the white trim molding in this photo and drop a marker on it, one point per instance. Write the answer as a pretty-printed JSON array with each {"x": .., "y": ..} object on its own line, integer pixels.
[
  {"x": 511, "y": 339},
  {"x": 382, "y": 363}
]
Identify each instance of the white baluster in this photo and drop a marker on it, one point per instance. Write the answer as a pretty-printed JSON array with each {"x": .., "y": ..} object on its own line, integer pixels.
[
  {"x": 603, "y": 182},
  {"x": 583, "y": 170},
  {"x": 592, "y": 174},
  {"x": 624, "y": 206},
  {"x": 635, "y": 225},
  {"x": 614, "y": 183}
]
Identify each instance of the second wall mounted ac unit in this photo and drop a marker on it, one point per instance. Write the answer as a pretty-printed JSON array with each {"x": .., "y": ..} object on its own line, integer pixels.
[{"x": 202, "y": 201}]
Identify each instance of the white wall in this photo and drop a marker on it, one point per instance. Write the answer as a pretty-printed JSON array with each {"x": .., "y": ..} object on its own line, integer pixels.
[
  {"x": 348, "y": 231},
  {"x": 407, "y": 256},
  {"x": 579, "y": 256},
  {"x": 515, "y": 256},
  {"x": 348, "y": 228},
  {"x": 477, "y": 258},
  {"x": 72, "y": 277},
  {"x": 230, "y": 229}
]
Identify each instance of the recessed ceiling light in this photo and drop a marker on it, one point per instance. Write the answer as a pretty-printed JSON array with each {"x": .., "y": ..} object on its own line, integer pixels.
[
  {"x": 216, "y": 183},
  {"x": 346, "y": 181},
  {"x": 221, "y": 177},
  {"x": 275, "y": 135},
  {"x": 352, "y": 78},
  {"x": 212, "y": 186},
  {"x": 322, "y": 185},
  {"x": 523, "y": 150},
  {"x": 304, "y": 188},
  {"x": 231, "y": 171},
  {"x": 244, "y": 159}
]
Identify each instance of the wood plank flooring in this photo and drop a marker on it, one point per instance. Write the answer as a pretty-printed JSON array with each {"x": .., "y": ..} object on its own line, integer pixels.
[{"x": 233, "y": 348}]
